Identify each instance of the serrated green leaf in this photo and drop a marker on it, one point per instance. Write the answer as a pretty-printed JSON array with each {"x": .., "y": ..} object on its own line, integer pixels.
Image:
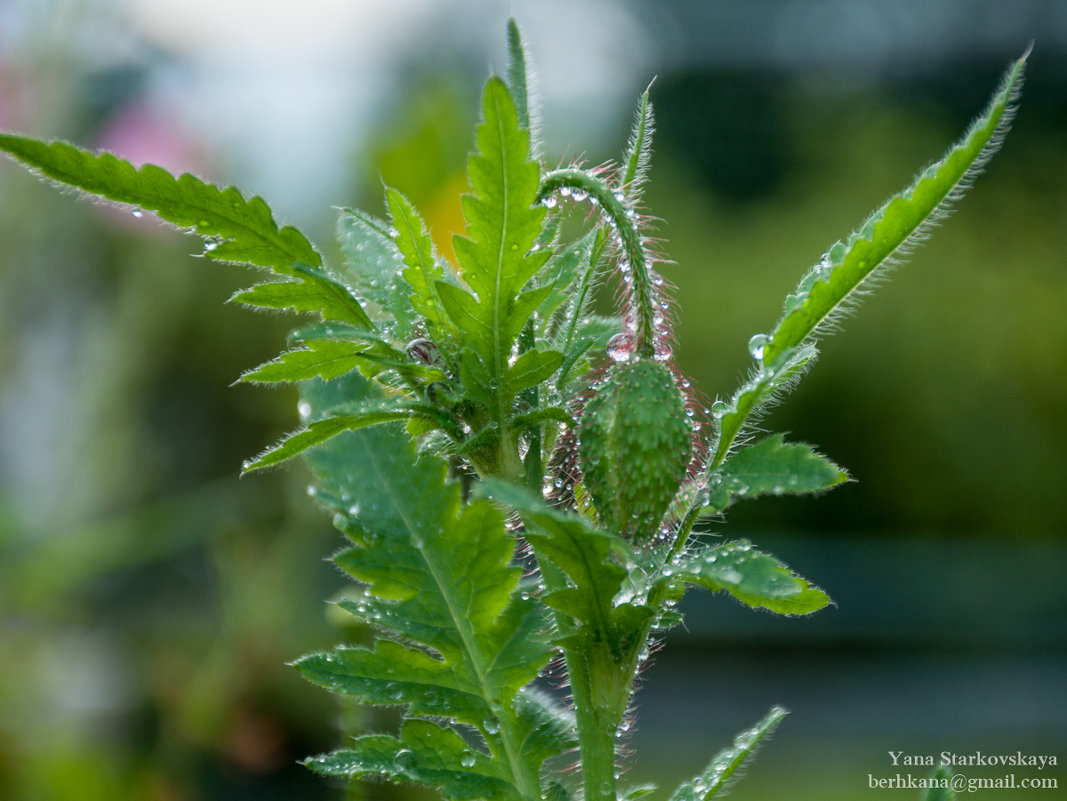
[
  {"x": 372, "y": 265},
  {"x": 421, "y": 270},
  {"x": 752, "y": 577},
  {"x": 550, "y": 728},
  {"x": 314, "y": 292},
  {"x": 590, "y": 336},
  {"x": 638, "y": 150},
  {"x": 530, "y": 369},
  {"x": 725, "y": 768},
  {"x": 392, "y": 674},
  {"x": 320, "y": 431},
  {"x": 560, "y": 272},
  {"x": 585, "y": 555},
  {"x": 772, "y": 467},
  {"x": 896, "y": 228},
  {"x": 438, "y": 574},
  {"x": 496, "y": 255},
  {"x": 425, "y": 754},
  {"x": 322, "y": 358},
  {"x": 246, "y": 228},
  {"x": 754, "y": 397},
  {"x": 517, "y": 74}
]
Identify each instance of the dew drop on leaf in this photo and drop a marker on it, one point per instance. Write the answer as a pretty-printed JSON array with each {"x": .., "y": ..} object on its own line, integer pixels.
[
  {"x": 619, "y": 348},
  {"x": 404, "y": 760},
  {"x": 303, "y": 409},
  {"x": 491, "y": 725},
  {"x": 466, "y": 759},
  {"x": 138, "y": 213},
  {"x": 757, "y": 345}
]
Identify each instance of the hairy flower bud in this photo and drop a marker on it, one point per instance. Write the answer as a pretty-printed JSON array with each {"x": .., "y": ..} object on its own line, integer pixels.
[{"x": 634, "y": 444}]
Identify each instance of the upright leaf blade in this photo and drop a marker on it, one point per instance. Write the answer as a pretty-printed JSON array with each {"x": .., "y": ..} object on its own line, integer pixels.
[
  {"x": 896, "y": 228},
  {"x": 503, "y": 223},
  {"x": 724, "y": 769},
  {"x": 421, "y": 271}
]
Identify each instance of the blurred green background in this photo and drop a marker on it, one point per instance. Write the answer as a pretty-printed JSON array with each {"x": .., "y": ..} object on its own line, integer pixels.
[{"x": 149, "y": 599}]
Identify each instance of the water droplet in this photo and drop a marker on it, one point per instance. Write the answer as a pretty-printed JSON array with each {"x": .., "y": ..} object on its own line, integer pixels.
[
  {"x": 491, "y": 725},
  {"x": 549, "y": 202},
  {"x": 565, "y": 191},
  {"x": 619, "y": 349},
  {"x": 404, "y": 760},
  {"x": 662, "y": 353},
  {"x": 605, "y": 790},
  {"x": 312, "y": 490},
  {"x": 757, "y": 345},
  {"x": 579, "y": 195},
  {"x": 138, "y": 213},
  {"x": 210, "y": 246},
  {"x": 466, "y": 759},
  {"x": 303, "y": 409}
]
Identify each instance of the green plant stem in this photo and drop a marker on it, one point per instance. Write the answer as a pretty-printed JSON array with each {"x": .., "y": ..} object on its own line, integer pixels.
[
  {"x": 595, "y": 714},
  {"x": 637, "y": 272},
  {"x": 601, "y": 681}
]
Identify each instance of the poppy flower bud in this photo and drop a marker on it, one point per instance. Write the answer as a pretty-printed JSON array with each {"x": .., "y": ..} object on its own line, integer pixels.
[{"x": 634, "y": 446}]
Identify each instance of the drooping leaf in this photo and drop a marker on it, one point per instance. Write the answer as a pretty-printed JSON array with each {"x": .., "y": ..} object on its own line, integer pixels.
[
  {"x": 772, "y": 467},
  {"x": 715, "y": 780},
  {"x": 241, "y": 230},
  {"x": 752, "y": 577}
]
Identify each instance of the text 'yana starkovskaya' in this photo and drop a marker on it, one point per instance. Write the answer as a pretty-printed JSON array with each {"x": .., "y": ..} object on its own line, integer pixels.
[{"x": 974, "y": 759}]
